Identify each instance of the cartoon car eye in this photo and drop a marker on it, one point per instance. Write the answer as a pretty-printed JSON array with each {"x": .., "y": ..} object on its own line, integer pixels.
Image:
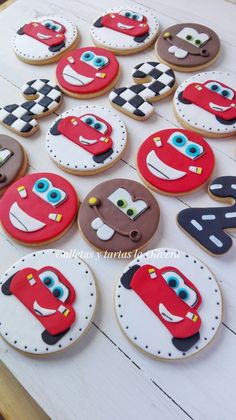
[
  {"x": 44, "y": 189},
  {"x": 193, "y": 37},
  {"x": 5, "y": 154},
  {"x": 52, "y": 25},
  {"x": 124, "y": 202},
  {"x": 93, "y": 122},
  {"x": 218, "y": 88},
  {"x": 131, "y": 15},
  {"x": 96, "y": 61},
  {"x": 188, "y": 148},
  {"x": 178, "y": 285},
  {"x": 52, "y": 282}
]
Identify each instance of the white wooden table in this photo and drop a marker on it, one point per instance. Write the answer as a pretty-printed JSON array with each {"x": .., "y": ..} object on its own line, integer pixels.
[{"x": 103, "y": 376}]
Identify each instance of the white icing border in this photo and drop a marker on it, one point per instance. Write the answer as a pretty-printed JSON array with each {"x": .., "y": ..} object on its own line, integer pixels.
[
  {"x": 197, "y": 117},
  {"x": 19, "y": 327},
  {"x": 145, "y": 330},
  {"x": 110, "y": 39},
  {"x": 73, "y": 157},
  {"x": 30, "y": 49}
]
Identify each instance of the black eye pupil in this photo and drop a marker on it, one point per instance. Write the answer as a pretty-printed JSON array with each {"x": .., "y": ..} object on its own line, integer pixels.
[
  {"x": 179, "y": 140},
  {"x": 88, "y": 121},
  {"x": 120, "y": 203},
  {"x": 172, "y": 282},
  {"x": 214, "y": 87},
  {"x": 198, "y": 41},
  {"x": 182, "y": 294},
  {"x": 56, "y": 292},
  {"x": 87, "y": 55},
  {"x": 99, "y": 60},
  {"x": 53, "y": 195},
  {"x": 224, "y": 93},
  {"x": 192, "y": 150},
  {"x": 40, "y": 185},
  {"x": 47, "y": 281},
  {"x": 97, "y": 126},
  {"x": 130, "y": 212},
  {"x": 188, "y": 37}
]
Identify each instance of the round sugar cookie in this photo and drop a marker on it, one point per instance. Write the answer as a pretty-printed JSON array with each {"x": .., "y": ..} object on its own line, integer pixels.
[
  {"x": 188, "y": 46},
  {"x": 45, "y": 39},
  {"x": 125, "y": 29},
  {"x": 13, "y": 162},
  {"x": 119, "y": 215},
  {"x": 175, "y": 161},
  {"x": 168, "y": 304},
  {"x": 47, "y": 302},
  {"x": 38, "y": 208},
  {"x": 86, "y": 140},
  {"x": 87, "y": 72},
  {"x": 206, "y": 103}
]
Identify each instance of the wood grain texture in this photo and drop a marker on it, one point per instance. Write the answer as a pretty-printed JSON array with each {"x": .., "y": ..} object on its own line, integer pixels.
[{"x": 104, "y": 376}]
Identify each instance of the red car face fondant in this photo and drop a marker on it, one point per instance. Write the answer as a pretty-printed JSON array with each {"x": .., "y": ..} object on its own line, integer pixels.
[
  {"x": 213, "y": 96},
  {"x": 87, "y": 70},
  {"x": 38, "y": 208},
  {"x": 49, "y": 32},
  {"x": 89, "y": 131},
  {"x": 47, "y": 294},
  {"x": 127, "y": 22},
  {"x": 169, "y": 295},
  {"x": 175, "y": 161}
]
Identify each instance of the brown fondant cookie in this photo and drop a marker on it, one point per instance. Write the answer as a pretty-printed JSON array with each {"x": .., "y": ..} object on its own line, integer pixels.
[
  {"x": 119, "y": 215},
  {"x": 13, "y": 161},
  {"x": 188, "y": 46}
]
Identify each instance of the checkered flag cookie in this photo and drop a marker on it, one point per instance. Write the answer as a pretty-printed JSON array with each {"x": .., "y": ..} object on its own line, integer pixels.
[
  {"x": 21, "y": 117},
  {"x": 136, "y": 100}
]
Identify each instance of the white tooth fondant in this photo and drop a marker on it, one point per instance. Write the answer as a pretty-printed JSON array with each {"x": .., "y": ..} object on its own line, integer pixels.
[
  {"x": 172, "y": 49},
  {"x": 71, "y": 76},
  {"x": 104, "y": 232},
  {"x": 41, "y": 311},
  {"x": 161, "y": 170},
  {"x": 86, "y": 142},
  {"x": 167, "y": 315},
  {"x": 23, "y": 221}
]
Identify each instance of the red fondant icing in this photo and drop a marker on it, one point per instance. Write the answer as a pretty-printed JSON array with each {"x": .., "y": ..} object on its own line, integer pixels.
[
  {"x": 213, "y": 96},
  {"x": 27, "y": 286},
  {"x": 85, "y": 135},
  {"x": 161, "y": 148},
  {"x": 50, "y": 35},
  {"x": 126, "y": 25},
  {"x": 148, "y": 282},
  {"x": 77, "y": 74}
]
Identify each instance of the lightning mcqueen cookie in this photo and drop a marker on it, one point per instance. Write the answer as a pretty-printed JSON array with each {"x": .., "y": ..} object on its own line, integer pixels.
[
  {"x": 207, "y": 103},
  {"x": 47, "y": 302},
  {"x": 86, "y": 140},
  {"x": 45, "y": 39},
  {"x": 168, "y": 304},
  {"x": 125, "y": 29},
  {"x": 175, "y": 161},
  {"x": 87, "y": 72},
  {"x": 38, "y": 208},
  {"x": 119, "y": 215}
]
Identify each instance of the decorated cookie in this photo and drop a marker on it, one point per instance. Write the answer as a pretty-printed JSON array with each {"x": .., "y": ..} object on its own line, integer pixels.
[
  {"x": 153, "y": 81},
  {"x": 188, "y": 46},
  {"x": 86, "y": 140},
  {"x": 207, "y": 103},
  {"x": 47, "y": 302},
  {"x": 38, "y": 209},
  {"x": 87, "y": 72},
  {"x": 13, "y": 161},
  {"x": 209, "y": 226},
  {"x": 43, "y": 97},
  {"x": 119, "y": 215},
  {"x": 45, "y": 39},
  {"x": 168, "y": 304},
  {"x": 175, "y": 161},
  {"x": 125, "y": 30}
]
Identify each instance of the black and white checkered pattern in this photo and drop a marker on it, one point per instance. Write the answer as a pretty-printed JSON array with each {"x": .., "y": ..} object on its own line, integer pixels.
[
  {"x": 21, "y": 117},
  {"x": 136, "y": 99}
]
